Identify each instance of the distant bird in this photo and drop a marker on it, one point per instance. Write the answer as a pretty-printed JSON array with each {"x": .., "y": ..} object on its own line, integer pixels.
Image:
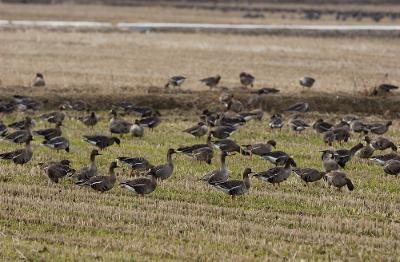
[
  {"x": 229, "y": 146},
  {"x": 308, "y": 175},
  {"x": 188, "y": 150},
  {"x": 211, "y": 82},
  {"x": 307, "y": 82},
  {"x": 382, "y": 143},
  {"x": 233, "y": 122},
  {"x": 358, "y": 126},
  {"x": 246, "y": 79},
  {"x": 103, "y": 183},
  {"x": 136, "y": 129},
  {"x": 118, "y": 126},
  {"x": 57, "y": 143},
  {"x": 276, "y": 121},
  {"x": 143, "y": 111},
  {"x": 277, "y": 175},
  {"x": 338, "y": 179},
  {"x": 301, "y": 107},
  {"x": 383, "y": 89},
  {"x": 218, "y": 175},
  {"x": 102, "y": 141},
  {"x": 150, "y": 122},
  {"x": 84, "y": 174},
  {"x": 236, "y": 187},
  {"x": 198, "y": 130},
  {"x": 89, "y": 120},
  {"x": 28, "y": 122},
  {"x": 266, "y": 91},
  {"x": 38, "y": 80},
  {"x": 254, "y": 114},
  {"x": 163, "y": 172},
  {"x": 235, "y": 106},
  {"x": 7, "y": 107},
  {"x": 79, "y": 105},
  {"x": 54, "y": 117},
  {"x": 276, "y": 157},
  {"x": 19, "y": 156},
  {"x": 297, "y": 124},
  {"x": 20, "y": 136},
  {"x": 223, "y": 132},
  {"x": 141, "y": 186},
  {"x": 260, "y": 149},
  {"x": 392, "y": 167},
  {"x": 137, "y": 164},
  {"x": 321, "y": 126},
  {"x": 379, "y": 128},
  {"x": 383, "y": 159},
  {"x": 49, "y": 133},
  {"x": 175, "y": 81}
]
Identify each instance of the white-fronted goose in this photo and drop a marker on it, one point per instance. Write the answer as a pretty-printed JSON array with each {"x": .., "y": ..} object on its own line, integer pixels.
[
  {"x": 136, "y": 129},
  {"x": 102, "y": 141},
  {"x": 229, "y": 146},
  {"x": 383, "y": 89},
  {"x": 345, "y": 155},
  {"x": 329, "y": 160},
  {"x": 260, "y": 149},
  {"x": 357, "y": 126},
  {"x": 254, "y": 114},
  {"x": 140, "y": 186},
  {"x": 54, "y": 117},
  {"x": 277, "y": 175},
  {"x": 307, "y": 82},
  {"x": 58, "y": 170},
  {"x": 103, "y": 183},
  {"x": 234, "y": 122},
  {"x": 235, "y": 106},
  {"x": 246, "y": 79},
  {"x": 198, "y": 130},
  {"x": 190, "y": 149},
  {"x": 321, "y": 126},
  {"x": 89, "y": 120},
  {"x": 276, "y": 157},
  {"x": 79, "y": 105},
  {"x": 301, "y": 107},
  {"x": 236, "y": 187},
  {"x": 144, "y": 111},
  {"x": 382, "y": 143},
  {"x": 118, "y": 126},
  {"x": 84, "y": 174},
  {"x": 297, "y": 124},
  {"x": 222, "y": 132},
  {"x": 266, "y": 91},
  {"x": 21, "y": 136},
  {"x": 211, "y": 82},
  {"x": 28, "y": 122},
  {"x": 164, "y": 171},
  {"x": 137, "y": 164},
  {"x": 38, "y": 80},
  {"x": 57, "y": 143},
  {"x": 308, "y": 175},
  {"x": 204, "y": 154},
  {"x": 49, "y": 133},
  {"x": 276, "y": 121},
  {"x": 218, "y": 175},
  {"x": 379, "y": 128},
  {"x": 338, "y": 179},
  {"x": 150, "y": 122},
  {"x": 366, "y": 151},
  {"x": 20, "y": 156},
  {"x": 175, "y": 81},
  {"x": 383, "y": 159},
  {"x": 392, "y": 167}
]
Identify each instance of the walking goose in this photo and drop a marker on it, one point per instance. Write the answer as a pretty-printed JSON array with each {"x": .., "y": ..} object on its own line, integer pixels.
[
  {"x": 236, "y": 187},
  {"x": 19, "y": 156},
  {"x": 229, "y": 146},
  {"x": 217, "y": 175},
  {"x": 57, "y": 143},
  {"x": 140, "y": 186},
  {"x": 277, "y": 175},
  {"x": 137, "y": 164},
  {"x": 308, "y": 175},
  {"x": 49, "y": 133},
  {"x": 211, "y": 82},
  {"x": 246, "y": 79},
  {"x": 339, "y": 180},
  {"x": 103, "y": 183},
  {"x": 198, "y": 130},
  {"x": 164, "y": 171},
  {"x": 102, "y": 141}
]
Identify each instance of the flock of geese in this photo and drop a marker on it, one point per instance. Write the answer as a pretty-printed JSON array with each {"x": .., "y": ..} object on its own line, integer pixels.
[{"x": 217, "y": 127}]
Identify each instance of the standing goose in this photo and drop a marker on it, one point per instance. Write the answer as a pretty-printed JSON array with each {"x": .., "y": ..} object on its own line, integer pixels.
[
  {"x": 211, "y": 82},
  {"x": 118, "y": 126},
  {"x": 20, "y": 156},
  {"x": 307, "y": 82},
  {"x": 297, "y": 124},
  {"x": 102, "y": 141},
  {"x": 141, "y": 186},
  {"x": 230, "y": 146},
  {"x": 103, "y": 183},
  {"x": 137, "y": 164},
  {"x": 49, "y": 133},
  {"x": 236, "y": 187},
  {"x": 378, "y": 128},
  {"x": 261, "y": 148},
  {"x": 246, "y": 79},
  {"x": 321, "y": 126},
  {"x": 56, "y": 171},
  {"x": 301, "y": 107},
  {"x": 175, "y": 81},
  {"x": 308, "y": 175},
  {"x": 277, "y": 175},
  {"x": 136, "y": 129},
  {"x": 382, "y": 143},
  {"x": 164, "y": 171},
  {"x": 79, "y": 105},
  {"x": 218, "y": 175},
  {"x": 276, "y": 121},
  {"x": 222, "y": 132},
  {"x": 57, "y": 143},
  {"x": 84, "y": 174},
  {"x": 21, "y": 136},
  {"x": 339, "y": 180},
  {"x": 24, "y": 124},
  {"x": 150, "y": 122},
  {"x": 392, "y": 167},
  {"x": 89, "y": 120},
  {"x": 367, "y": 151},
  {"x": 383, "y": 89},
  {"x": 276, "y": 157},
  {"x": 383, "y": 159},
  {"x": 329, "y": 160},
  {"x": 38, "y": 80},
  {"x": 345, "y": 155},
  {"x": 54, "y": 117},
  {"x": 198, "y": 130}
]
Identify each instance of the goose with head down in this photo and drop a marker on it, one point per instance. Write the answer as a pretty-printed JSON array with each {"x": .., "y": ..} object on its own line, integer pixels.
[
  {"x": 338, "y": 179},
  {"x": 236, "y": 187},
  {"x": 103, "y": 183},
  {"x": 141, "y": 186},
  {"x": 102, "y": 141},
  {"x": 19, "y": 156},
  {"x": 277, "y": 175}
]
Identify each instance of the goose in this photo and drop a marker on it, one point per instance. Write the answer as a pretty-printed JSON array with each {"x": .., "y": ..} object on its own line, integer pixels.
[
  {"x": 236, "y": 187},
  {"x": 3, "y": 129},
  {"x": 150, "y": 122},
  {"x": 57, "y": 143},
  {"x": 246, "y": 79},
  {"x": 329, "y": 160},
  {"x": 44, "y": 165},
  {"x": 28, "y": 122},
  {"x": 54, "y": 117},
  {"x": 218, "y": 175},
  {"x": 84, "y": 174},
  {"x": 345, "y": 155},
  {"x": 339, "y": 180},
  {"x": 164, "y": 171},
  {"x": 79, "y": 105},
  {"x": 383, "y": 159},
  {"x": 137, "y": 164},
  {"x": 297, "y": 124},
  {"x": 308, "y": 175},
  {"x": 252, "y": 115},
  {"x": 7, "y": 107},
  {"x": 336, "y": 134},
  {"x": 102, "y": 141},
  {"x": 379, "y": 128},
  {"x": 21, "y": 136},
  {"x": 144, "y": 111},
  {"x": 188, "y": 150},
  {"x": 49, "y": 133},
  {"x": 357, "y": 126},
  {"x": 277, "y": 175},
  {"x": 276, "y": 157},
  {"x": 366, "y": 151},
  {"x": 235, "y": 106},
  {"x": 222, "y": 132},
  {"x": 230, "y": 146},
  {"x": 233, "y": 122},
  {"x": 321, "y": 126},
  {"x": 136, "y": 129},
  {"x": 118, "y": 126},
  {"x": 266, "y": 91},
  {"x": 382, "y": 143},
  {"x": 175, "y": 81},
  {"x": 211, "y": 82},
  {"x": 392, "y": 167},
  {"x": 198, "y": 130},
  {"x": 58, "y": 170},
  {"x": 89, "y": 120},
  {"x": 276, "y": 121},
  {"x": 204, "y": 154},
  {"x": 19, "y": 156},
  {"x": 307, "y": 82},
  {"x": 261, "y": 148},
  {"x": 38, "y": 81},
  {"x": 383, "y": 89},
  {"x": 301, "y": 107},
  {"x": 103, "y": 183},
  {"x": 140, "y": 186}
]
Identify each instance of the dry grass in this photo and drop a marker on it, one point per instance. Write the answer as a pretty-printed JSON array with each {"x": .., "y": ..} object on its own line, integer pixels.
[
  {"x": 186, "y": 220},
  {"x": 104, "y": 63}
]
